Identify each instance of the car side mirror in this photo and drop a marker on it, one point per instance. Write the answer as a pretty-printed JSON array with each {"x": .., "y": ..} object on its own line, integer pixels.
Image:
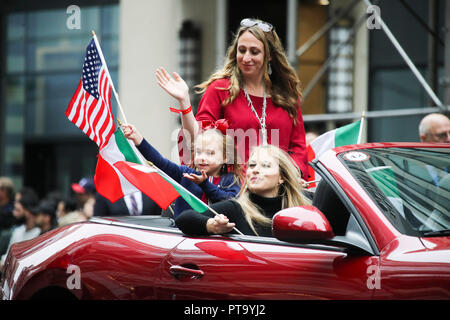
[{"x": 301, "y": 224}]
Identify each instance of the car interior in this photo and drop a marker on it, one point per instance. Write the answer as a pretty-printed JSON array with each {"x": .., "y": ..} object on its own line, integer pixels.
[
  {"x": 324, "y": 198},
  {"x": 327, "y": 201}
]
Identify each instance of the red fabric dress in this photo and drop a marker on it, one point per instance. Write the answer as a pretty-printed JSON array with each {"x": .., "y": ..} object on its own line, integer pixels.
[{"x": 240, "y": 116}]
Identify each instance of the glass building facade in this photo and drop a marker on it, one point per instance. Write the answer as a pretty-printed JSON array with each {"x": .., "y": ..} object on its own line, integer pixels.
[{"x": 43, "y": 56}]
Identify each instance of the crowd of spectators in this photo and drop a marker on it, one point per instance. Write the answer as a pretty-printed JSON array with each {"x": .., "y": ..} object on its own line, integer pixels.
[{"x": 24, "y": 216}]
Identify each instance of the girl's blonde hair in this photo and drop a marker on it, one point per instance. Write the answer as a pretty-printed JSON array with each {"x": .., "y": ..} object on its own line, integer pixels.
[
  {"x": 290, "y": 189},
  {"x": 232, "y": 163},
  {"x": 283, "y": 84}
]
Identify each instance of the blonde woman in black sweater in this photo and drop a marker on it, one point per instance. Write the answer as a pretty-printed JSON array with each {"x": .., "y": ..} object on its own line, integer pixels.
[{"x": 271, "y": 184}]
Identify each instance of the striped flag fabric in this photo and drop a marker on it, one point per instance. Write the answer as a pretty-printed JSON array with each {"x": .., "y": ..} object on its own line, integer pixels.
[
  {"x": 90, "y": 107},
  {"x": 149, "y": 181},
  {"x": 120, "y": 172},
  {"x": 164, "y": 190},
  {"x": 334, "y": 138},
  {"x": 108, "y": 180}
]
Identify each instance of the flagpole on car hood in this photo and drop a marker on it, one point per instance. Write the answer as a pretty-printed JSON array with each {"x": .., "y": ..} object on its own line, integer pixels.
[{"x": 363, "y": 117}]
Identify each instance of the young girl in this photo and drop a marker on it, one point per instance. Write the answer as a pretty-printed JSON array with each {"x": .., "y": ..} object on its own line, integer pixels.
[{"x": 215, "y": 175}]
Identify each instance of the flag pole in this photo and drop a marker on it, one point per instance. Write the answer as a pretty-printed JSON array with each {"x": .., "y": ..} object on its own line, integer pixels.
[
  {"x": 363, "y": 116},
  {"x": 102, "y": 58}
]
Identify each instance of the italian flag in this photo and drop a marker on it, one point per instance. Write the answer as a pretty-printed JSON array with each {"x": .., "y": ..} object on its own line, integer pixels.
[
  {"x": 111, "y": 183},
  {"x": 158, "y": 184},
  {"x": 120, "y": 172},
  {"x": 335, "y": 138}
]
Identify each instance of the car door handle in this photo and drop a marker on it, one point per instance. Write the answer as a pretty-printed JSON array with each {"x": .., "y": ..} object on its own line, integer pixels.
[{"x": 180, "y": 271}]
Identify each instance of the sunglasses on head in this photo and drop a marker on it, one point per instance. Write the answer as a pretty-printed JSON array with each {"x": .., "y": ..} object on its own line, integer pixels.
[{"x": 264, "y": 26}]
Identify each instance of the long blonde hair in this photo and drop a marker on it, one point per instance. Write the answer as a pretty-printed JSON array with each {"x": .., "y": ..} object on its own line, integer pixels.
[
  {"x": 283, "y": 84},
  {"x": 292, "y": 195}
]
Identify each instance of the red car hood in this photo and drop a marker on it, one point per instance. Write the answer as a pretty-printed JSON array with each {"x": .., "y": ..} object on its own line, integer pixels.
[
  {"x": 437, "y": 248},
  {"x": 437, "y": 244}
]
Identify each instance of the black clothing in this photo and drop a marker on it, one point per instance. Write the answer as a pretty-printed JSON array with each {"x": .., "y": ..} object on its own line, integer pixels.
[
  {"x": 192, "y": 222},
  {"x": 103, "y": 207},
  {"x": 7, "y": 219},
  {"x": 328, "y": 202},
  {"x": 5, "y": 235},
  {"x": 7, "y": 224}
]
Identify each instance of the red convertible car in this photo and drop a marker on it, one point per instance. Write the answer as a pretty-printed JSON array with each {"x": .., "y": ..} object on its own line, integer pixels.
[{"x": 378, "y": 228}]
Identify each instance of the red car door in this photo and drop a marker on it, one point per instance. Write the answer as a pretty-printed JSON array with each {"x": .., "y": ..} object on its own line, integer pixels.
[{"x": 261, "y": 268}]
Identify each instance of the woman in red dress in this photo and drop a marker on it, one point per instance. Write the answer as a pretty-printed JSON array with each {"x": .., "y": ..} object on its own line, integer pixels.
[{"x": 257, "y": 92}]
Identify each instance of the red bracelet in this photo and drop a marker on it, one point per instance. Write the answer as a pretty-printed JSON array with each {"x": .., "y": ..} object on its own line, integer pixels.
[{"x": 181, "y": 111}]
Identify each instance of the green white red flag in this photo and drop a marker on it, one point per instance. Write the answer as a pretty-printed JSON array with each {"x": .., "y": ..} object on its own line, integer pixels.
[
  {"x": 118, "y": 174},
  {"x": 120, "y": 171},
  {"x": 162, "y": 188},
  {"x": 149, "y": 181},
  {"x": 338, "y": 137}
]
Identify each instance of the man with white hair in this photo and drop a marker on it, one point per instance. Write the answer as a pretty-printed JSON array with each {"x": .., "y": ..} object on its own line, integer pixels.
[{"x": 435, "y": 127}]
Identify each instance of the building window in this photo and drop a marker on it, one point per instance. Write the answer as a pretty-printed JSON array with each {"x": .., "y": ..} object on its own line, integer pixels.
[
  {"x": 340, "y": 75},
  {"x": 43, "y": 68}
]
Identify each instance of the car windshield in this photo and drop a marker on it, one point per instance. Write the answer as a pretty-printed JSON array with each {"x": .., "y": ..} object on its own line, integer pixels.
[{"x": 411, "y": 186}]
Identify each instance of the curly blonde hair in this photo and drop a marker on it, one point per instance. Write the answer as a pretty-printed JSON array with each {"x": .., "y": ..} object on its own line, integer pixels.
[{"x": 283, "y": 84}]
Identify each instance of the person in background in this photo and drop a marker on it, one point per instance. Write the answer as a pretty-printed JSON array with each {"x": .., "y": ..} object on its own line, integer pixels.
[
  {"x": 56, "y": 197},
  {"x": 435, "y": 127},
  {"x": 134, "y": 204},
  {"x": 25, "y": 206},
  {"x": 85, "y": 194},
  {"x": 6, "y": 203},
  {"x": 7, "y": 219},
  {"x": 46, "y": 215},
  {"x": 68, "y": 212}
]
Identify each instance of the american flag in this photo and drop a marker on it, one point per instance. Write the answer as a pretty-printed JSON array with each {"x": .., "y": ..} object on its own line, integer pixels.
[{"x": 90, "y": 107}]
